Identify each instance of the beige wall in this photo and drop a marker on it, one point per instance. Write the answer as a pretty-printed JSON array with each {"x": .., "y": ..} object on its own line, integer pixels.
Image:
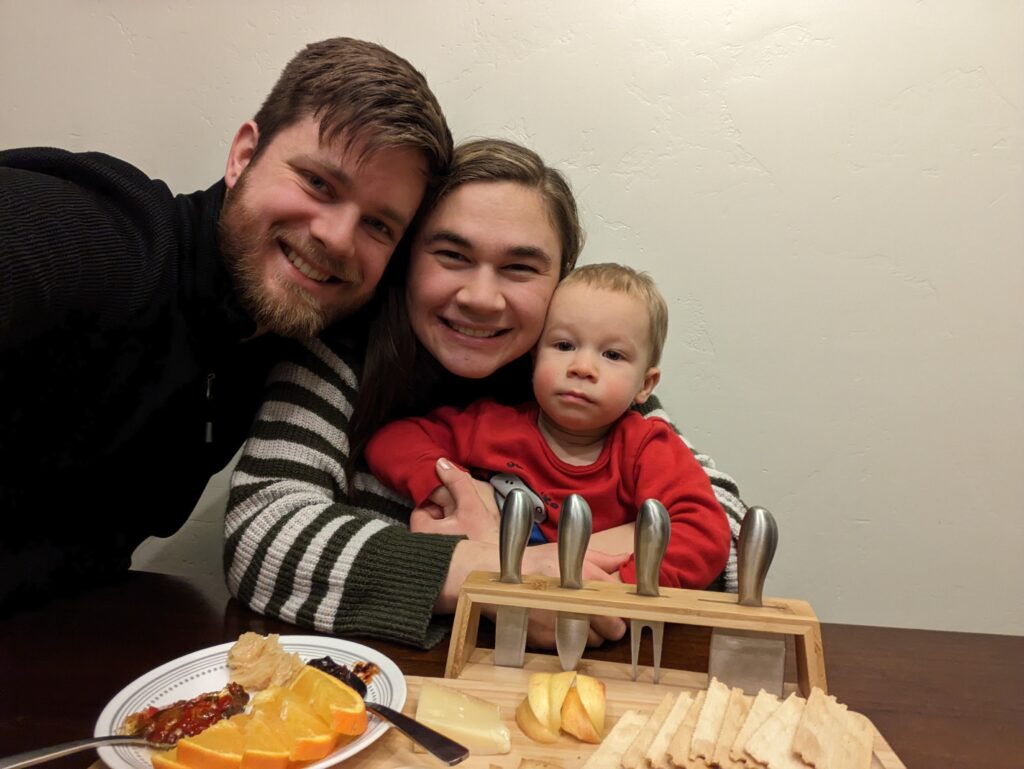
[{"x": 830, "y": 194}]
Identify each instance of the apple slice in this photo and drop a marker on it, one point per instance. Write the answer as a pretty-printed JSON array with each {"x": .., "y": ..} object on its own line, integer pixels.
[
  {"x": 575, "y": 719},
  {"x": 560, "y": 685},
  {"x": 592, "y": 694},
  {"x": 534, "y": 729},
  {"x": 538, "y": 692}
]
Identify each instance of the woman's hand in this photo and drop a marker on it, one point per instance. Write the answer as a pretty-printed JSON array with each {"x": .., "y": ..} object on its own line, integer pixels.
[
  {"x": 598, "y": 566},
  {"x": 461, "y": 505},
  {"x": 540, "y": 559},
  {"x": 540, "y": 634}
]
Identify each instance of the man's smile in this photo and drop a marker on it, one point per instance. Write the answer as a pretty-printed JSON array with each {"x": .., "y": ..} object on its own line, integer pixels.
[{"x": 306, "y": 266}]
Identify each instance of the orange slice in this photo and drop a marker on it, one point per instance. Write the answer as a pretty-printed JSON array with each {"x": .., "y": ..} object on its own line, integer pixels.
[
  {"x": 218, "y": 747},
  {"x": 264, "y": 747},
  {"x": 296, "y": 724},
  {"x": 168, "y": 759},
  {"x": 335, "y": 702}
]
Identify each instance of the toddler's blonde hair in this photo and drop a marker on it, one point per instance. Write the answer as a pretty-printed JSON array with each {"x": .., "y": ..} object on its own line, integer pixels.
[{"x": 618, "y": 277}]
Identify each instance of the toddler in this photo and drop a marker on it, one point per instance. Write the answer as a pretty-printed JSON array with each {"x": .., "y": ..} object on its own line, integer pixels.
[{"x": 597, "y": 357}]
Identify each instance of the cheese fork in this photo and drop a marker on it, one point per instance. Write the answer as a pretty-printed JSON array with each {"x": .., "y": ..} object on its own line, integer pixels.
[
  {"x": 33, "y": 757},
  {"x": 653, "y": 528}
]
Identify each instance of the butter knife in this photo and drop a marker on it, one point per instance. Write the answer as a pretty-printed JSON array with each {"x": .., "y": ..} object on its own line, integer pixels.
[
  {"x": 650, "y": 539},
  {"x": 510, "y": 622},
  {"x": 571, "y": 628}
]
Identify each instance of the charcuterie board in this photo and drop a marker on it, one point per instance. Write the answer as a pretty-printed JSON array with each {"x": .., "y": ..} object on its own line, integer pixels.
[
  {"x": 506, "y": 687},
  {"x": 471, "y": 670}
]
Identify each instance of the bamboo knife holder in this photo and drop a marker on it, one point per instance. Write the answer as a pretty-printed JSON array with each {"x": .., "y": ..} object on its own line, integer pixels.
[{"x": 779, "y": 616}]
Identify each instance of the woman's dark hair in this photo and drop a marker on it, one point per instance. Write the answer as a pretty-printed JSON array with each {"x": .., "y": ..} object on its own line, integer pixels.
[{"x": 399, "y": 377}]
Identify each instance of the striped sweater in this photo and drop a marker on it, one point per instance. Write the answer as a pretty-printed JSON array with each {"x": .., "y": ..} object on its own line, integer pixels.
[{"x": 304, "y": 546}]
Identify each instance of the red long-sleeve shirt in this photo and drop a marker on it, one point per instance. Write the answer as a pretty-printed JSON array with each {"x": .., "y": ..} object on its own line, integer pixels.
[{"x": 641, "y": 459}]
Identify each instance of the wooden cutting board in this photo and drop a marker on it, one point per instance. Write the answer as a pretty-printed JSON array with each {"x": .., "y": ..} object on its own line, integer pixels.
[{"x": 506, "y": 687}]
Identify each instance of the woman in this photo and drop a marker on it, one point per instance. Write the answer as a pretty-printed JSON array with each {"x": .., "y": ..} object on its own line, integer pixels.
[{"x": 314, "y": 540}]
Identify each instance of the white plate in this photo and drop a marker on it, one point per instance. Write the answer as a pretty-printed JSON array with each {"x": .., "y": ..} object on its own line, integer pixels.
[{"x": 207, "y": 671}]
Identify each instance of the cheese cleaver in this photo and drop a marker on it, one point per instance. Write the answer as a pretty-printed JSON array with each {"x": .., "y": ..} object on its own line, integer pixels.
[
  {"x": 747, "y": 659},
  {"x": 572, "y": 629},
  {"x": 650, "y": 538},
  {"x": 510, "y": 622}
]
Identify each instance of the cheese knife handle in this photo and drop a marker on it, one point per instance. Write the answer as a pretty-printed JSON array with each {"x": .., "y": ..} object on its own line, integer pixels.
[
  {"x": 650, "y": 539},
  {"x": 516, "y": 521},
  {"x": 759, "y": 535},
  {"x": 574, "y": 527}
]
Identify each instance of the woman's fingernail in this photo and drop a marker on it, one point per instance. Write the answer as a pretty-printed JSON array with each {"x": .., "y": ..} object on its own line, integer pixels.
[{"x": 444, "y": 464}]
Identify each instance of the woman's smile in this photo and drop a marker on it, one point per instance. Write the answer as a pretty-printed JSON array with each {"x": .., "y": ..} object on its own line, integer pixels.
[{"x": 475, "y": 332}]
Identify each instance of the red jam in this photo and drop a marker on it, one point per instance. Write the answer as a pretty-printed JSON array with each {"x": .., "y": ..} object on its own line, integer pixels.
[{"x": 188, "y": 717}]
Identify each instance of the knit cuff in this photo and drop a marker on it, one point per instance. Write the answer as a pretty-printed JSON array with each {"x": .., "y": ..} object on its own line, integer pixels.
[{"x": 391, "y": 589}]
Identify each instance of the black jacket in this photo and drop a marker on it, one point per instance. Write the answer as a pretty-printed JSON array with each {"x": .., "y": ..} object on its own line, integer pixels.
[{"x": 121, "y": 354}]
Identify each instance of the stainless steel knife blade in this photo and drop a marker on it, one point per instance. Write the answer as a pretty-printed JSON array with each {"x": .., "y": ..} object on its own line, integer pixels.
[
  {"x": 510, "y": 622},
  {"x": 650, "y": 539},
  {"x": 746, "y": 659},
  {"x": 571, "y": 628}
]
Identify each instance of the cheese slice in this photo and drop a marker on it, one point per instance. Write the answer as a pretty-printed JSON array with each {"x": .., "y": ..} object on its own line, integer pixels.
[{"x": 471, "y": 721}]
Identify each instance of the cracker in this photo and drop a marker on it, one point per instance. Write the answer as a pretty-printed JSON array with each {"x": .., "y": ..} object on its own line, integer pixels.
[
  {"x": 633, "y": 758},
  {"x": 608, "y": 754},
  {"x": 735, "y": 714},
  {"x": 828, "y": 735},
  {"x": 679, "y": 745},
  {"x": 657, "y": 755},
  {"x": 772, "y": 742},
  {"x": 709, "y": 723},
  {"x": 763, "y": 706},
  {"x": 535, "y": 763}
]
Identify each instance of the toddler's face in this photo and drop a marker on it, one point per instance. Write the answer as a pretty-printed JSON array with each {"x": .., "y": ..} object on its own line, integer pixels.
[{"x": 592, "y": 358}]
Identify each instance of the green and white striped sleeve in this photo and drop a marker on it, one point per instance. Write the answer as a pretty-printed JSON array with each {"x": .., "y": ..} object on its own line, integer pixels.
[{"x": 302, "y": 546}]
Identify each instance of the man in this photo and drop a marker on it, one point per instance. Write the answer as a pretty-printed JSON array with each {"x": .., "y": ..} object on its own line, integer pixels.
[{"x": 137, "y": 328}]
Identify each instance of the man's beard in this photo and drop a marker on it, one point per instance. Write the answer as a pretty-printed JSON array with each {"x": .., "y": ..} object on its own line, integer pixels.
[{"x": 297, "y": 314}]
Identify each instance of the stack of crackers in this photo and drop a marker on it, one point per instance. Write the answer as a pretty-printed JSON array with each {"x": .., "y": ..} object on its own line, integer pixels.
[{"x": 726, "y": 728}]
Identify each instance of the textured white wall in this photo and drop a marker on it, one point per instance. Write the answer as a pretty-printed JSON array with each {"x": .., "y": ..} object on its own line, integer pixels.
[{"x": 830, "y": 195}]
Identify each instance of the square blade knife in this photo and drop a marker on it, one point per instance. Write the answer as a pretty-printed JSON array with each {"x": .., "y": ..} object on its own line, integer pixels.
[
  {"x": 650, "y": 539},
  {"x": 747, "y": 659},
  {"x": 571, "y": 628},
  {"x": 510, "y": 622}
]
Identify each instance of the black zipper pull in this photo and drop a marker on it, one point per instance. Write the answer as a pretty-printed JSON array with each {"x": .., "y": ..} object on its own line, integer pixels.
[{"x": 209, "y": 407}]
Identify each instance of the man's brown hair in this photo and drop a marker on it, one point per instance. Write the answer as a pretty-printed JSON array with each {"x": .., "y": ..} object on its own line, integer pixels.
[{"x": 359, "y": 90}]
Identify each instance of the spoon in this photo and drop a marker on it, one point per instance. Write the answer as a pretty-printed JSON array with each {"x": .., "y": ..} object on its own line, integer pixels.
[{"x": 32, "y": 757}]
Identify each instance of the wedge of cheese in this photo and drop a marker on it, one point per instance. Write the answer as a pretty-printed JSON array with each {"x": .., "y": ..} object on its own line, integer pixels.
[{"x": 471, "y": 721}]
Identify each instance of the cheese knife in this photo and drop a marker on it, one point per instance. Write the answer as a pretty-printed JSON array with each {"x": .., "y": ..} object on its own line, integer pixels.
[
  {"x": 747, "y": 659},
  {"x": 650, "y": 539},
  {"x": 571, "y": 628},
  {"x": 510, "y": 622}
]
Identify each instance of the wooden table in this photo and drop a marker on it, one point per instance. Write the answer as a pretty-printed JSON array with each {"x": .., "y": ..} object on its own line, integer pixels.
[{"x": 940, "y": 699}]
